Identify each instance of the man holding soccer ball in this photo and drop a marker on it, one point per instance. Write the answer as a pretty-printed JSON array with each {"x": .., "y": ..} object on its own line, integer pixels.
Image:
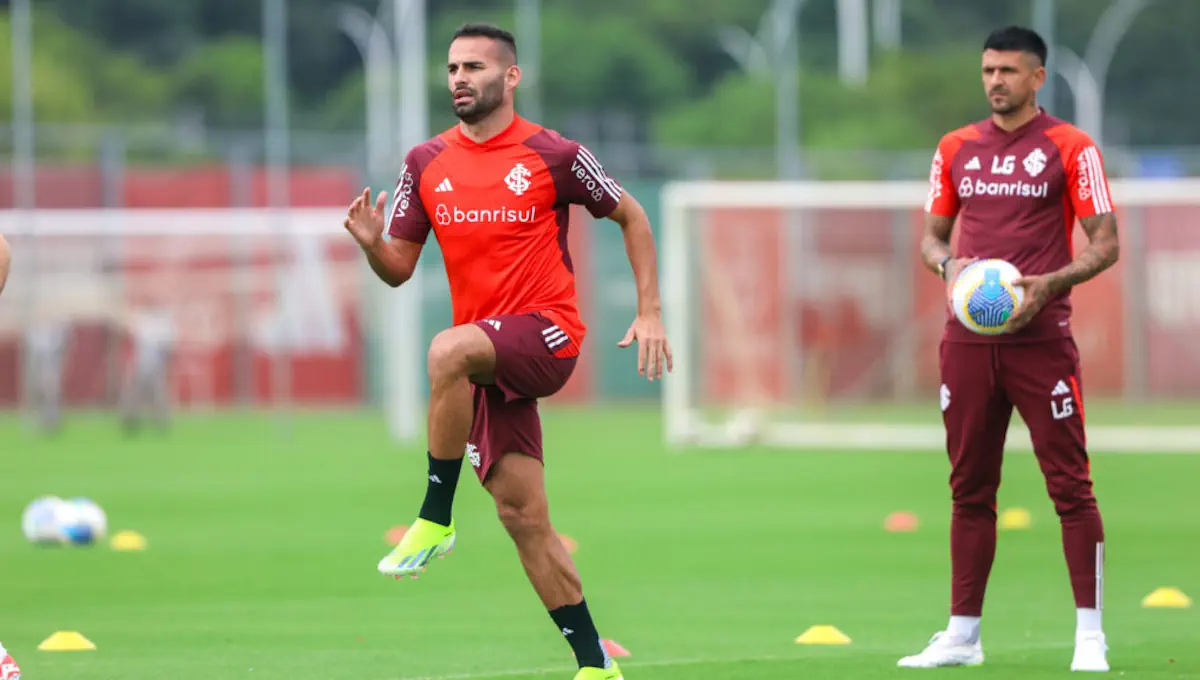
[{"x": 1016, "y": 182}]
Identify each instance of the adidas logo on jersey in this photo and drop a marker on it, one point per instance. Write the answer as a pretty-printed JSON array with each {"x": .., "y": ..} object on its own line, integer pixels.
[
  {"x": 444, "y": 186},
  {"x": 1060, "y": 389},
  {"x": 973, "y": 164}
]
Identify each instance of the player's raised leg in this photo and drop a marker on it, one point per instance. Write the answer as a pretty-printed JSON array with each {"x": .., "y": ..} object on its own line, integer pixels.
[
  {"x": 516, "y": 482},
  {"x": 976, "y": 415},
  {"x": 1043, "y": 380},
  {"x": 457, "y": 356},
  {"x": 535, "y": 358}
]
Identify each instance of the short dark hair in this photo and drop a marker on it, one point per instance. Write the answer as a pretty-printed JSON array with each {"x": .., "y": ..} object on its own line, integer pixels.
[
  {"x": 480, "y": 30},
  {"x": 1017, "y": 39}
]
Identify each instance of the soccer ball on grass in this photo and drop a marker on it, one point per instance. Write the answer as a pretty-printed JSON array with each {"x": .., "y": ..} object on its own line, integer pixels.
[
  {"x": 984, "y": 298},
  {"x": 50, "y": 520}
]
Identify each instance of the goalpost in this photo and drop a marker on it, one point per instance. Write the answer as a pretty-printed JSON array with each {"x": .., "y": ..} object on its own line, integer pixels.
[{"x": 784, "y": 300}]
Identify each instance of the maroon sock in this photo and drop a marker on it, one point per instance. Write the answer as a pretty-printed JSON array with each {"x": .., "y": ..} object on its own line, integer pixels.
[{"x": 972, "y": 549}]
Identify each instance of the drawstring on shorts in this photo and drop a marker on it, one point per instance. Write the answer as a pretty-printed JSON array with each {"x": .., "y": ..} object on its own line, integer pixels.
[{"x": 995, "y": 366}]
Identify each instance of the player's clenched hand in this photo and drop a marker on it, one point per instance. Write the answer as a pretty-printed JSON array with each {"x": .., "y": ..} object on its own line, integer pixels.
[
  {"x": 364, "y": 221},
  {"x": 654, "y": 352},
  {"x": 1037, "y": 292}
]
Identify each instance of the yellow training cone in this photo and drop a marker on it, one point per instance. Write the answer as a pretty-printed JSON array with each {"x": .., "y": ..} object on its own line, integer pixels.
[
  {"x": 1014, "y": 518},
  {"x": 66, "y": 641},
  {"x": 128, "y": 540},
  {"x": 823, "y": 635},
  {"x": 1167, "y": 597}
]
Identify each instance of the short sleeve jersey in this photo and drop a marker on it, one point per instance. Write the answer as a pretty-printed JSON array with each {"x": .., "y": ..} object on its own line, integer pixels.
[
  {"x": 1017, "y": 195},
  {"x": 500, "y": 211}
]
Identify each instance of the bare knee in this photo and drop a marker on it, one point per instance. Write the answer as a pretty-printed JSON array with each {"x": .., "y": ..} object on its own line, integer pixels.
[
  {"x": 523, "y": 517},
  {"x": 460, "y": 352}
]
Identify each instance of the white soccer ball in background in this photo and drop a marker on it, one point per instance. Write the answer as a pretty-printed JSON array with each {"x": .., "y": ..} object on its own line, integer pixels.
[
  {"x": 984, "y": 298},
  {"x": 43, "y": 518},
  {"x": 85, "y": 523},
  {"x": 53, "y": 520}
]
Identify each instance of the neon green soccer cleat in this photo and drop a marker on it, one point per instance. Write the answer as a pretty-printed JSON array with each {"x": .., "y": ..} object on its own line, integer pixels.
[
  {"x": 591, "y": 673},
  {"x": 423, "y": 541}
]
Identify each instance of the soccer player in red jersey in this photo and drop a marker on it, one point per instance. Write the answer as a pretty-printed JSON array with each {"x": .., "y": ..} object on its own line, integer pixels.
[
  {"x": 1017, "y": 182},
  {"x": 496, "y": 190}
]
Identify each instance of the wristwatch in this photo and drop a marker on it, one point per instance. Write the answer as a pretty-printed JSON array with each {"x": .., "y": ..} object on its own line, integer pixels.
[{"x": 941, "y": 266}]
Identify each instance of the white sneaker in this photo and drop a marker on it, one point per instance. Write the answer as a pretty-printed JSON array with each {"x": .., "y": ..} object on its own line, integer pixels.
[
  {"x": 944, "y": 650},
  {"x": 1090, "y": 652}
]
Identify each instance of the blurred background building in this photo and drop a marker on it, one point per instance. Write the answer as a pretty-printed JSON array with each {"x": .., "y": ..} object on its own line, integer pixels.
[{"x": 189, "y": 161}]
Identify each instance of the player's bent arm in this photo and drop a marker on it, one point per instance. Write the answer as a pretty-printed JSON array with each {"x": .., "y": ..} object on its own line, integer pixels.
[
  {"x": 5, "y": 262},
  {"x": 1102, "y": 252},
  {"x": 394, "y": 261},
  {"x": 935, "y": 243},
  {"x": 640, "y": 248}
]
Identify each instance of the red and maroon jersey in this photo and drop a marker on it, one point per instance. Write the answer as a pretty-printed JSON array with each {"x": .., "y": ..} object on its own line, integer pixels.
[
  {"x": 1017, "y": 195},
  {"x": 500, "y": 211}
]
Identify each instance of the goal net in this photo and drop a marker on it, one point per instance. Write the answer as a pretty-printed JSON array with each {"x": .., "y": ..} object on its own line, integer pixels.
[{"x": 801, "y": 315}]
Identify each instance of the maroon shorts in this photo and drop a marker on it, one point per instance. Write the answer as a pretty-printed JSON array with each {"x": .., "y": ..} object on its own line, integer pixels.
[
  {"x": 981, "y": 385},
  {"x": 506, "y": 412}
]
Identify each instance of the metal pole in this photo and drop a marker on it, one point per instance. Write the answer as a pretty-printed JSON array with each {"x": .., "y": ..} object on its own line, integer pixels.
[
  {"x": 1102, "y": 46},
  {"x": 276, "y": 114},
  {"x": 1044, "y": 15},
  {"x": 854, "y": 61},
  {"x": 22, "y": 114},
  {"x": 529, "y": 46},
  {"x": 374, "y": 46},
  {"x": 411, "y": 60},
  {"x": 23, "y": 167},
  {"x": 1085, "y": 92},
  {"x": 787, "y": 87},
  {"x": 404, "y": 362},
  {"x": 888, "y": 24}
]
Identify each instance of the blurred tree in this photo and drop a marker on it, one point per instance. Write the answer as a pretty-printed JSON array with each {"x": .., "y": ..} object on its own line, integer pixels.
[
  {"x": 912, "y": 100},
  {"x": 160, "y": 32},
  {"x": 76, "y": 79},
  {"x": 650, "y": 60},
  {"x": 223, "y": 79}
]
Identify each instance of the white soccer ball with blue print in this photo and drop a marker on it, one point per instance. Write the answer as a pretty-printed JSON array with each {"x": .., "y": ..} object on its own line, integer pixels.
[
  {"x": 984, "y": 298},
  {"x": 86, "y": 522}
]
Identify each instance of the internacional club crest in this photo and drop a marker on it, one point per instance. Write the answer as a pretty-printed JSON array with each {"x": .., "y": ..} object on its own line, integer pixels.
[{"x": 517, "y": 180}]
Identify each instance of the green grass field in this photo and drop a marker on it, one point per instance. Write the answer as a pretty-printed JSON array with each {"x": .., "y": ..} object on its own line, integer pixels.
[{"x": 704, "y": 564}]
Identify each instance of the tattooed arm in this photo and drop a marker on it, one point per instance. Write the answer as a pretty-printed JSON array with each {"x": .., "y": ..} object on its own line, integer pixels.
[{"x": 1102, "y": 251}]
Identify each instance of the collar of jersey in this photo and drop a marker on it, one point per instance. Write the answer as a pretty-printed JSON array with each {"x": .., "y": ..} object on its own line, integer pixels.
[
  {"x": 1031, "y": 124},
  {"x": 503, "y": 138}
]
